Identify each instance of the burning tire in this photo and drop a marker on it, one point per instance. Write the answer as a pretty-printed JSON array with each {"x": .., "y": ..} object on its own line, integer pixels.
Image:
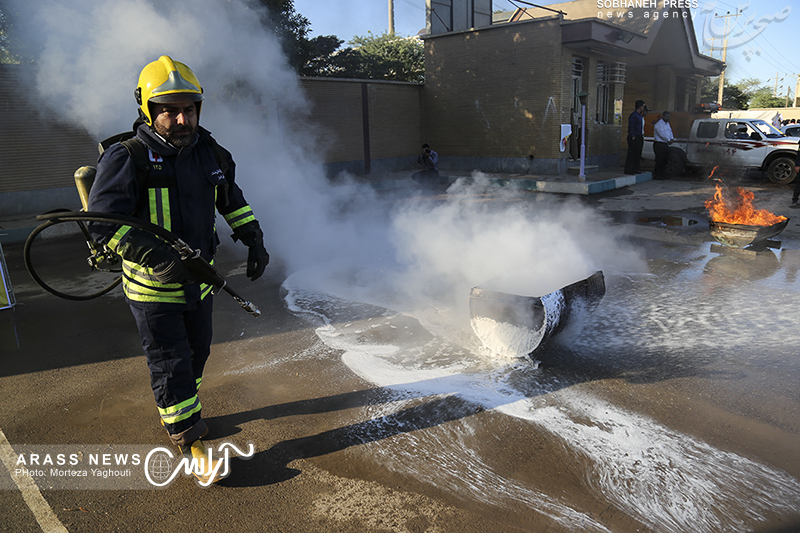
[{"x": 781, "y": 171}]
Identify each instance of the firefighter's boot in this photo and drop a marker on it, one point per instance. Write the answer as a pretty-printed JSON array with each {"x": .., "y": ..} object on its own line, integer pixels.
[
  {"x": 205, "y": 467},
  {"x": 203, "y": 435}
]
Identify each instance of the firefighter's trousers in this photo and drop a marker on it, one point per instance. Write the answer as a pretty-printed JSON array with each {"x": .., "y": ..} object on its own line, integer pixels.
[{"x": 177, "y": 344}]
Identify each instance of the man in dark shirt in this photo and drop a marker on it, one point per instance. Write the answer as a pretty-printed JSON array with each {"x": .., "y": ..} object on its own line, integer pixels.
[{"x": 635, "y": 138}]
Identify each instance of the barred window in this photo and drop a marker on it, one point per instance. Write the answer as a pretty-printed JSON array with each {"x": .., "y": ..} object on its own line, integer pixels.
[
  {"x": 608, "y": 74},
  {"x": 577, "y": 83},
  {"x": 605, "y": 104}
]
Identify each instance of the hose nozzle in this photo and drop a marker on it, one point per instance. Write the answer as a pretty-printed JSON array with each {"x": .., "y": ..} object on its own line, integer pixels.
[{"x": 250, "y": 307}]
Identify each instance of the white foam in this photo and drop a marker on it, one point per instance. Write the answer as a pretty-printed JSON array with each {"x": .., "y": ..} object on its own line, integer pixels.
[
  {"x": 670, "y": 481},
  {"x": 504, "y": 339}
]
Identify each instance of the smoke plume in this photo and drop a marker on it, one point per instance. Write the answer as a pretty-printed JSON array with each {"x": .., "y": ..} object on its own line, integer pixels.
[{"x": 88, "y": 60}]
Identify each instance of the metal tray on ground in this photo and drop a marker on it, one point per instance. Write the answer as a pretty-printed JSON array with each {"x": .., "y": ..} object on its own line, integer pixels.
[
  {"x": 743, "y": 235},
  {"x": 515, "y": 325}
]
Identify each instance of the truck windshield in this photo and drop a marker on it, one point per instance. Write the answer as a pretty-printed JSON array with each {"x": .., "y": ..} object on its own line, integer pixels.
[{"x": 767, "y": 129}]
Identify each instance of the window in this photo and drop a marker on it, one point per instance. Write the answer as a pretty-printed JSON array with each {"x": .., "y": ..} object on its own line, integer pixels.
[
  {"x": 608, "y": 74},
  {"x": 792, "y": 131},
  {"x": 604, "y": 104},
  {"x": 707, "y": 130},
  {"x": 685, "y": 93},
  {"x": 577, "y": 84}
]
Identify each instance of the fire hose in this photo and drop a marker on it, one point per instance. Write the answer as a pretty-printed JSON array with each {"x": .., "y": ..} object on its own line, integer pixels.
[{"x": 101, "y": 254}]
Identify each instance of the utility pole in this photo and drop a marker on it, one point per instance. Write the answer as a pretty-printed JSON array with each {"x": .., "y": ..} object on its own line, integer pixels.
[
  {"x": 712, "y": 49},
  {"x": 391, "y": 17},
  {"x": 724, "y": 52},
  {"x": 796, "y": 89}
]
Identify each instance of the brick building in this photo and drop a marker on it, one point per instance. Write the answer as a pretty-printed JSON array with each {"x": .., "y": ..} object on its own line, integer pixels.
[
  {"x": 498, "y": 97},
  {"x": 500, "y": 89}
]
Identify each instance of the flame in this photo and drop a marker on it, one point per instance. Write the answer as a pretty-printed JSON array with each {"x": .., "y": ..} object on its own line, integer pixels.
[{"x": 739, "y": 209}]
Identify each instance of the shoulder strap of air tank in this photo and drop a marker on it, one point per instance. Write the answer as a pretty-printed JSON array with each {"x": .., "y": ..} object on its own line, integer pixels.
[
  {"x": 138, "y": 152},
  {"x": 220, "y": 154}
]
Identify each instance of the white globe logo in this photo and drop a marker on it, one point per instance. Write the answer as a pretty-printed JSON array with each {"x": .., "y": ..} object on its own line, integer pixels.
[{"x": 160, "y": 467}]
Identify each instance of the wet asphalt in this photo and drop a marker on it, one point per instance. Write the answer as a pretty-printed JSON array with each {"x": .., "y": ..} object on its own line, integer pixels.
[{"x": 73, "y": 374}]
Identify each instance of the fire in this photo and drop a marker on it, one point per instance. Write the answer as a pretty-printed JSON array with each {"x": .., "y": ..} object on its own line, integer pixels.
[{"x": 739, "y": 209}]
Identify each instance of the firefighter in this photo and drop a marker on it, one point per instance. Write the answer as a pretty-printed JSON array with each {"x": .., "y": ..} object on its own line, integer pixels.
[{"x": 186, "y": 177}]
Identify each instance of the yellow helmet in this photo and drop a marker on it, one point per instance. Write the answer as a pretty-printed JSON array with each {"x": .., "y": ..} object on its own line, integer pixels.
[{"x": 165, "y": 81}]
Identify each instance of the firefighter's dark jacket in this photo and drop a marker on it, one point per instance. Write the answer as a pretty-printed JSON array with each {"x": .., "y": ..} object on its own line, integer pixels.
[{"x": 181, "y": 191}]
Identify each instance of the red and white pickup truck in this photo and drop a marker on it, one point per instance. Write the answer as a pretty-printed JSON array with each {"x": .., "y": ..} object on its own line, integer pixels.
[{"x": 725, "y": 142}]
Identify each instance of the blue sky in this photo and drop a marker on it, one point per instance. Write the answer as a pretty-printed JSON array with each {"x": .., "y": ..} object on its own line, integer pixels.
[{"x": 762, "y": 41}]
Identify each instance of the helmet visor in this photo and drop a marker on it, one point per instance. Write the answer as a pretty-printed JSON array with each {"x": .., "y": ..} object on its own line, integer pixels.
[{"x": 176, "y": 97}]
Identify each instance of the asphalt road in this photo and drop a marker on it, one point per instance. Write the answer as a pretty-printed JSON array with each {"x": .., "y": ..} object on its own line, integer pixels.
[{"x": 73, "y": 375}]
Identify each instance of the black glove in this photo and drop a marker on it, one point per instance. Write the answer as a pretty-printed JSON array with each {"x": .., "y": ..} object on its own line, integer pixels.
[
  {"x": 146, "y": 249},
  {"x": 257, "y": 258},
  {"x": 257, "y": 261},
  {"x": 169, "y": 268}
]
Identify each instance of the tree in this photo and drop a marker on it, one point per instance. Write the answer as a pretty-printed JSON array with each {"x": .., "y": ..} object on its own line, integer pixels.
[
  {"x": 291, "y": 28},
  {"x": 760, "y": 95},
  {"x": 733, "y": 97},
  {"x": 391, "y": 57},
  {"x": 10, "y": 51},
  {"x": 383, "y": 57},
  {"x": 763, "y": 98}
]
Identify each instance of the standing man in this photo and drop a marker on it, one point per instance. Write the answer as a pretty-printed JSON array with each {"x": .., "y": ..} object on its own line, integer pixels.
[
  {"x": 777, "y": 120},
  {"x": 662, "y": 138},
  {"x": 796, "y": 192},
  {"x": 187, "y": 176},
  {"x": 430, "y": 160},
  {"x": 635, "y": 138}
]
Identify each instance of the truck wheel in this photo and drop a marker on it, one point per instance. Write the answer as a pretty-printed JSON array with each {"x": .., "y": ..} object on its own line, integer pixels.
[
  {"x": 781, "y": 171},
  {"x": 676, "y": 162}
]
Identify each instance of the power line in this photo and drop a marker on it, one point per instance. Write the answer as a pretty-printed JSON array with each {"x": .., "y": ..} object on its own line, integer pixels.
[
  {"x": 414, "y": 4},
  {"x": 766, "y": 57},
  {"x": 762, "y": 36},
  {"x": 512, "y": 4}
]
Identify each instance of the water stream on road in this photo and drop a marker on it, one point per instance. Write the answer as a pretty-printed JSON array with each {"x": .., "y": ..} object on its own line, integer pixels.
[{"x": 692, "y": 314}]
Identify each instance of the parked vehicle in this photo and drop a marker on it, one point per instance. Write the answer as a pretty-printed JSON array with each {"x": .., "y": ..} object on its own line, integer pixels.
[
  {"x": 791, "y": 130},
  {"x": 703, "y": 142}
]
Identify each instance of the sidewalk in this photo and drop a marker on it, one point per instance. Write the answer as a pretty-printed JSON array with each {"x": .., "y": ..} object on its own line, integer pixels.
[
  {"x": 595, "y": 182},
  {"x": 16, "y": 229}
]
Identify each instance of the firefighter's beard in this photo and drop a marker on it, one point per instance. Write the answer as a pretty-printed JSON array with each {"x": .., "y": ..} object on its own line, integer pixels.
[{"x": 179, "y": 135}]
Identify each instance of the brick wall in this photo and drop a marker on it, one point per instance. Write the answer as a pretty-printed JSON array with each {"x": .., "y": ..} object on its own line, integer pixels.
[
  {"x": 36, "y": 149},
  {"x": 503, "y": 92},
  {"x": 495, "y": 92},
  {"x": 337, "y": 111}
]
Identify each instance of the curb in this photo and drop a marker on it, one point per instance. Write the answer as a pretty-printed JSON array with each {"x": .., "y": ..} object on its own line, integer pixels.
[
  {"x": 15, "y": 236},
  {"x": 533, "y": 184},
  {"x": 20, "y": 234}
]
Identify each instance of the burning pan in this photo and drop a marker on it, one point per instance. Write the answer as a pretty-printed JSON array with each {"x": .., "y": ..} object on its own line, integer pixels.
[
  {"x": 742, "y": 235},
  {"x": 513, "y": 325}
]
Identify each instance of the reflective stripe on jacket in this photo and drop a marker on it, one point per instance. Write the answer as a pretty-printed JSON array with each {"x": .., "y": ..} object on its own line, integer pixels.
[{"x": 180, "y": 193}]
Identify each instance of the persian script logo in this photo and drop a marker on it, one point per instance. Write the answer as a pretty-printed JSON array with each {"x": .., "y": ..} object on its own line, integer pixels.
[
  {"x": 740, "y": 34},
  {"x": 161, "y": 466}
]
